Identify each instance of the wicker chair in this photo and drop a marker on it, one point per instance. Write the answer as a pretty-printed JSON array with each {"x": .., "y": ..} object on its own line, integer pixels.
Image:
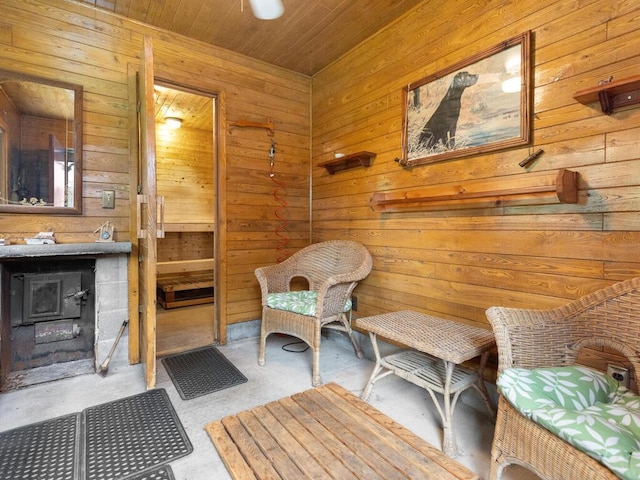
[
  {"x": 608, "y": 318},
  {"x": 332, "y": 269}
]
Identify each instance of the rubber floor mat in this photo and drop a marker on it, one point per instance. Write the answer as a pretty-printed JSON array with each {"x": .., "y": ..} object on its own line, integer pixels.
[
  {"x": 201, "y": 371},
  {"x": 45, "y": 450},
  {"x": 161, "y": 473},
  {"x": 133, "y": 434}
]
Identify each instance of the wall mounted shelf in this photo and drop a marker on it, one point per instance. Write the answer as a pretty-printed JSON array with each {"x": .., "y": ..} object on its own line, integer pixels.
[
  {"x": 347, "y": 162},
  {"x": 543, "y": 189},
  {"x": 612, "y": 95}
]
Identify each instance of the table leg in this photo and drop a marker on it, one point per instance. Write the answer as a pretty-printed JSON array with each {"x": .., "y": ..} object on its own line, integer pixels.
[
  {"x": 375, "y": 374},
  {"x": 449, "y": 446}
]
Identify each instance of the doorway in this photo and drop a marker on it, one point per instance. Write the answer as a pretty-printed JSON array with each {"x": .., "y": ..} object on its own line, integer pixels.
[{"x": 186, "y": 164}]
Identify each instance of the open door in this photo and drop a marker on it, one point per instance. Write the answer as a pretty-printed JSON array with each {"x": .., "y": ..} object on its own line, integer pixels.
[{"x": 147, "y": 212}]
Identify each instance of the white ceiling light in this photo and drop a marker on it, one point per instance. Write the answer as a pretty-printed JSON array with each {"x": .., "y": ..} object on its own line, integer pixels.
[
  {"x": 267, "y": 9},
  {"x": 173, "y": 122}
]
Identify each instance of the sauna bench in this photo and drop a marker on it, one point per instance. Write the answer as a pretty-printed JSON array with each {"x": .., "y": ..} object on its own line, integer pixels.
[{"x": 185, "y": 289}]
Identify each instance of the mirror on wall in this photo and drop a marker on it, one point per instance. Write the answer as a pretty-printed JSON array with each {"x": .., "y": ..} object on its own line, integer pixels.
[{"x": 40, "y": 145}]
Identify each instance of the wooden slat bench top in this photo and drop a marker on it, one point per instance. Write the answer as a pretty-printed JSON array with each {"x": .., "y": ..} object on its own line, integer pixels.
[
  {"x": 325, "y": 432},
  {"x": 185, "y": 281},
  {"x": 185, "y": 289}
]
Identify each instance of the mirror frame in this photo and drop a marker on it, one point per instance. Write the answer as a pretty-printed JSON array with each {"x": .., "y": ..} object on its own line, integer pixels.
[{"x": 76, "y": 209}]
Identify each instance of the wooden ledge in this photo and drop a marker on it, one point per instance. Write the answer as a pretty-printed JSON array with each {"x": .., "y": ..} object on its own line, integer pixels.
[
  {"x": 65, "y": 249},
  {"x": 522, "y": 190},
  {"x": 612, "y": 95},
  {"x": 348, "y": 161}
]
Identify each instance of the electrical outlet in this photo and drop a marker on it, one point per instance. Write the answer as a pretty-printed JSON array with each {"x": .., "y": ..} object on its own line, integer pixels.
[
  {"x": 108, "y": 199},
  {"x": 354, "y": 303},
  {"x": 620, "y": 374}
]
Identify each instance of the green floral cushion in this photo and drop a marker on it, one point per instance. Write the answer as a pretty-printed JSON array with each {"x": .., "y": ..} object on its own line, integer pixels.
[
  {"x": 302, "y": 302},
  {"x": 584, "y": 407}
]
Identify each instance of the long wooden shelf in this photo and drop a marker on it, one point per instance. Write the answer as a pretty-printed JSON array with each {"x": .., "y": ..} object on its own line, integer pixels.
[
  {"x": 543, "y": 189},
  {"x": 173, "y": 267},
  {"x": 348, "y": 161},
  {"x": 612, "y": 95},
  {"x": 189, "y": 227}
]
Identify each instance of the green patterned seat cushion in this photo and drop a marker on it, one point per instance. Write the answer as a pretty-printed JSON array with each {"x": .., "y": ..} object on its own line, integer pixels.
[
  {"x": 302, "y": 302},
  {"x": 584, "y": 407}
]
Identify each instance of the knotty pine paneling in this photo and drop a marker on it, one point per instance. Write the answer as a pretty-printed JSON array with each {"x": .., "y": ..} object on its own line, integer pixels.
[
  {"x": 178, "y": 246},
  {"x": 61, "y": 39},
  {"x": 185, "y": 174},
  {"x": 456, "y": 263}
]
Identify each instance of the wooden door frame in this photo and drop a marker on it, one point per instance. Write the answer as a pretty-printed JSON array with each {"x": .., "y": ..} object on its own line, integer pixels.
[
  {"x": 142, "y": 203},
  {"x": 220, "y": 234},
  {"x": 132, "y": 264},
  {"x": 219, "y": 178}
]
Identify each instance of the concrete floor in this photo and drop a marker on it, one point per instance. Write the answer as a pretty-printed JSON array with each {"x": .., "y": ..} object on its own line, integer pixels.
[{"x": 284, "y": 374}]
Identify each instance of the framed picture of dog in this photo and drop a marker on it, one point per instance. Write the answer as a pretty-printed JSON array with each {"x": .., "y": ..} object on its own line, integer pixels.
[{"x": 473, "y": 107}]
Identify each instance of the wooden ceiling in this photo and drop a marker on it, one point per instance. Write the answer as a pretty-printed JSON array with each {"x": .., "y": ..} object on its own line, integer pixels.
[
  {"x": 309, "y": 36},
  {"x": 195, "y": 111},
  {"x": 39, "y": 100}
]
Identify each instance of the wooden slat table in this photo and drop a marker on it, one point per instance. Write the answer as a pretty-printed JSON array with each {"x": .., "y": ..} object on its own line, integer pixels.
[
  {"x": 437, "y": 348},
  {"x": 324, "y": 433}
]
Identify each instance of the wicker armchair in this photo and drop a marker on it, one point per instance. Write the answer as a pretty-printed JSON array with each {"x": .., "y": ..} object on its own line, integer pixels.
[
  {"x": 609, "y": 319},
  {"x": 332, "y": 269}
]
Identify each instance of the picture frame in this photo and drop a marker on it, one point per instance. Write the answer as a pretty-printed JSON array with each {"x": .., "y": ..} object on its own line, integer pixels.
[{"x": 475, "y": 106}]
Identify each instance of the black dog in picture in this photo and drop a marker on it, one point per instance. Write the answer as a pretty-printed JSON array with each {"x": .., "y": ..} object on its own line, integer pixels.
[{"x": 441, "y": 127}]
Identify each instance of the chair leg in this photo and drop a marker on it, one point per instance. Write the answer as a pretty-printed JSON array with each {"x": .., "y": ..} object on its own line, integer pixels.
[
  {"x": 263, "y": 345},
  {"x": 316, "y": 381},
  {"x": 496, "y": 468},
  {"x": 498, "y": 461}
]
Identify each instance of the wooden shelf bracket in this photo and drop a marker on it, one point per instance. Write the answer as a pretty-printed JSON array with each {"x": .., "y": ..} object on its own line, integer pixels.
[
  {"x": 347, "y": 162},
  {"x": 544, "y": 189}
]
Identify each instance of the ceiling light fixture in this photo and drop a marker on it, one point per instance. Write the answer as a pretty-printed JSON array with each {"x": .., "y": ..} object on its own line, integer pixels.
[
  {"x": 267, "y": 9},
  {"x": 173, "y": 122}
]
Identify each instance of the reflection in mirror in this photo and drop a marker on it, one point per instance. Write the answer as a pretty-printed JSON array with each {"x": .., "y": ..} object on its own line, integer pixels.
[{"x": 40, "y": 145}]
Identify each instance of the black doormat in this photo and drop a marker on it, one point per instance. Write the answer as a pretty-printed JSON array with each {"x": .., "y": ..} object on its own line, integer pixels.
[
  {"x": 45, "y": 450},
  {"x": 130, "y": 435},
  {"x": 127, "y": 439},
  {"x": 201, "y": 371}
]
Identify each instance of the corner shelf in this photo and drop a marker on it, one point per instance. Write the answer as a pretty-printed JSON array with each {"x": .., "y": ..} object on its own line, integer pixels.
[
  {"x": 544, "y": 189},
  {"x": 612, "y": 95},
  {"x": 348, "y": 161}
]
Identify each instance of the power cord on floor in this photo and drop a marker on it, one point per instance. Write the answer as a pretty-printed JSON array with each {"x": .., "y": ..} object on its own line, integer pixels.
[{"x": 286, "y": 349}]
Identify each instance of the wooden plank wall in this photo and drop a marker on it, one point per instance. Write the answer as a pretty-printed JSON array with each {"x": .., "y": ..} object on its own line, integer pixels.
[
  {"x": 185, "y": 174},
  {"x": 177, "y": 246},
  {"x": 456, "y": 263},
  {"x": 66, "y": 40}
]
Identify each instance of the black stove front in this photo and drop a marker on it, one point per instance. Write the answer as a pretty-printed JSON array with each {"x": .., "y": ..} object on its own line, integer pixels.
[{"x": 52, "y": 312}]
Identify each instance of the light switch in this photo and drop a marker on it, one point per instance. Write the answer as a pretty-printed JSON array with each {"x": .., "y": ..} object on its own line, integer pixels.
[{"x": 108, "y": 199}]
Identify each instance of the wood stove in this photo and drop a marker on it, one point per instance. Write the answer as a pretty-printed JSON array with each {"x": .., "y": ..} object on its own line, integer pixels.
[{"x": 51, "y": 311}]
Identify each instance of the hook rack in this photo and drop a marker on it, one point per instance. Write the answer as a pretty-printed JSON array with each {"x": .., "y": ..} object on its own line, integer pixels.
[{"x": 528, "y": 190}]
